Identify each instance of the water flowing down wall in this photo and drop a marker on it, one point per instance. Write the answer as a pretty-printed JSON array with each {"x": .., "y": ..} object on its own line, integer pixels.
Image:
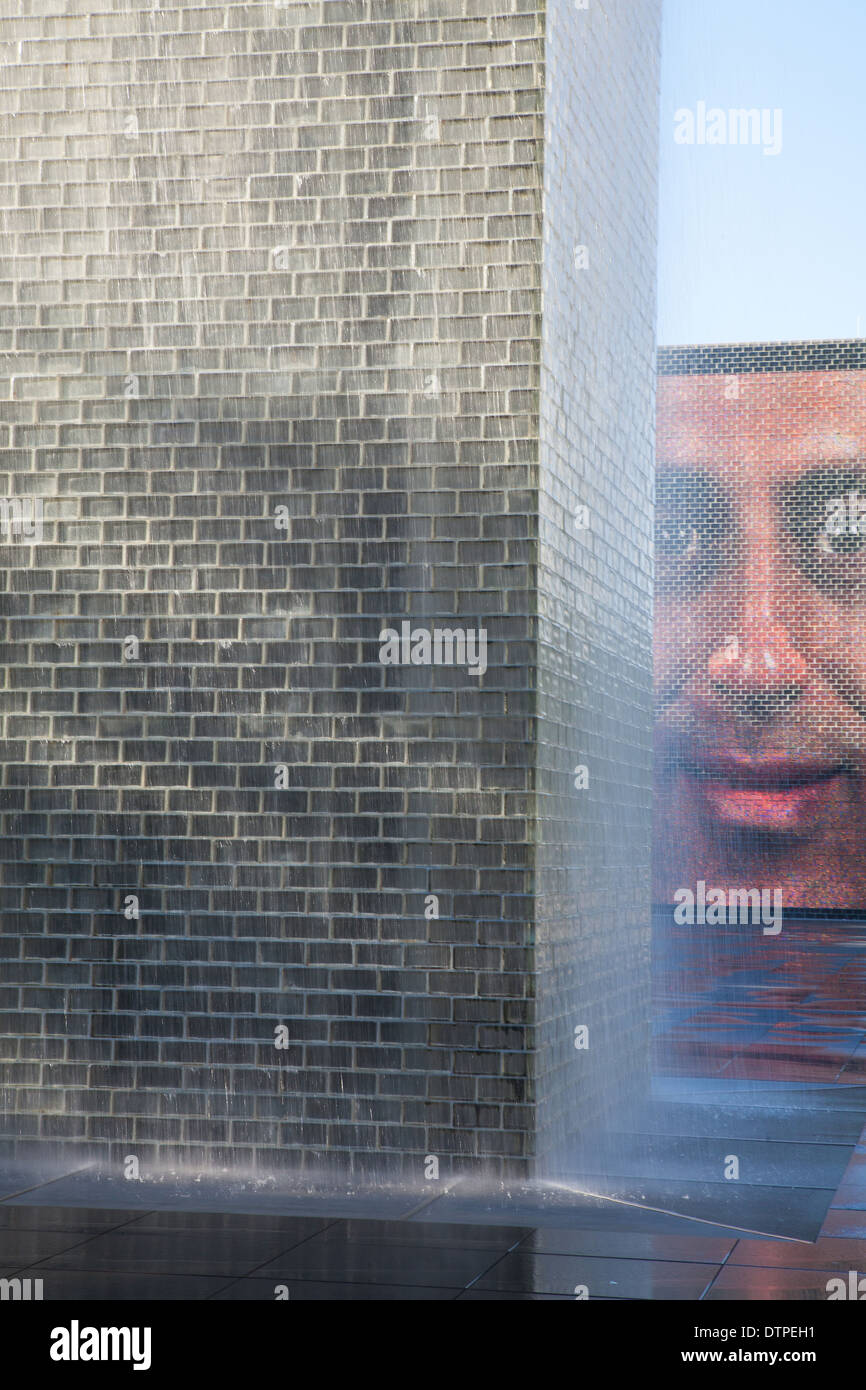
[{"x": 299, "y": 647}]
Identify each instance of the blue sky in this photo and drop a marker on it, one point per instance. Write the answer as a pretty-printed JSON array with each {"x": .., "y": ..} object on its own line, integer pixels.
[{"x": 756, "y": 247}]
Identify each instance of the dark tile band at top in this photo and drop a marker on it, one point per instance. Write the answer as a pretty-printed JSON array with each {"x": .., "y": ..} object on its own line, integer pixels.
[{"x": 823, "y": 355}]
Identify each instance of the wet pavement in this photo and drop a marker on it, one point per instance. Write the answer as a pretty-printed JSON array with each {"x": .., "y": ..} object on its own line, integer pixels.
[
  {"x": 97, "y": 1253},
  {"x": 762, "y": 1046}
]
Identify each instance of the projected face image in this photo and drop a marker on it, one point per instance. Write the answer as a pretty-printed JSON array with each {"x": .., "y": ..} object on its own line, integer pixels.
[{"x": 760, "y": 636}]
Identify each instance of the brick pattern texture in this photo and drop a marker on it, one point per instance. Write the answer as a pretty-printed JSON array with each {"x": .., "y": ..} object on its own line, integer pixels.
[
  {"x": 273, "y": 340},
  {"x": 594, "y": 587}
]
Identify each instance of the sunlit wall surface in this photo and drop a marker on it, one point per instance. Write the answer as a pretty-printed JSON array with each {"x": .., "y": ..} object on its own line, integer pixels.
[
  {"x": 270, "y": 462},
  {"x": 595, "y": 570}
]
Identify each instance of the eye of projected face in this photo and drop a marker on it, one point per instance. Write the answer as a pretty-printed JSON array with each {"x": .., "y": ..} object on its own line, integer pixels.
[
  {"x": 825, "y": 517},
  {"x": 677, "y": 540},
  {"x": 692, "y": 530}
]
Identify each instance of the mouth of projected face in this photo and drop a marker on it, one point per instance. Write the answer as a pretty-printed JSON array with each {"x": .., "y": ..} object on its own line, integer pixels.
[{"x": 778, "y": 794}]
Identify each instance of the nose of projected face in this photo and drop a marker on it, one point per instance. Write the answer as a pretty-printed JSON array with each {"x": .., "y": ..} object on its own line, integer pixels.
[
  {"x": 758, "y": 673},
  {"x": 756, "y": 669}
]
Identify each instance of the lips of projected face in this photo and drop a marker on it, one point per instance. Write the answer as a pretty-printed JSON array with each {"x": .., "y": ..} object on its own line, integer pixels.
[{"x": 770, "y": 794}]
